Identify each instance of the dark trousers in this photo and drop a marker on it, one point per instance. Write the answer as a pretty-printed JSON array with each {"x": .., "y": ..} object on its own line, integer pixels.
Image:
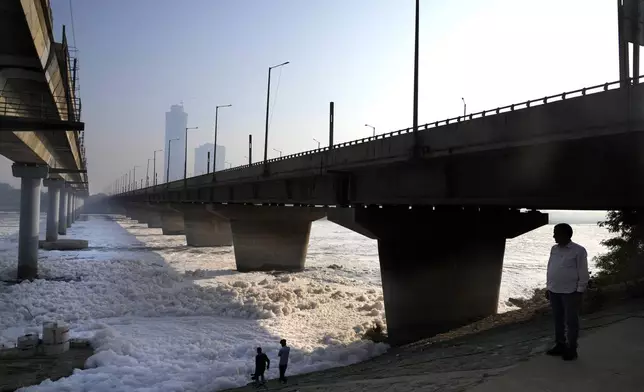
[
  {"x": 260, "y": 375},
  {"x": 565, "y": 308},
  {"x": 282, "y": 372}
]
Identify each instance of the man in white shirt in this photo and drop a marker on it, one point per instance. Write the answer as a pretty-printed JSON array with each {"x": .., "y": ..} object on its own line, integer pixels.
[
  {"x": 567, "y": 279},
  {"x": 283, "y": 354}
]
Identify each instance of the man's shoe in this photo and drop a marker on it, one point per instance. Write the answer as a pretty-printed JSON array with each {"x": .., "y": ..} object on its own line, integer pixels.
[
  {"x": 557, "y": 351},
  {"x": 570, "y": 354}
]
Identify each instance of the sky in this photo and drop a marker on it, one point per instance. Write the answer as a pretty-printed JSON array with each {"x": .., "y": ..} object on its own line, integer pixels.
[{"x": 138, "y": 57}]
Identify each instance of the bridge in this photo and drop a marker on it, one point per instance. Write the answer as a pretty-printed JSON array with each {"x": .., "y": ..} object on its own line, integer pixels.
[
  {"x": 440, "y": 201},
  {"x": 40, "y": 123}
]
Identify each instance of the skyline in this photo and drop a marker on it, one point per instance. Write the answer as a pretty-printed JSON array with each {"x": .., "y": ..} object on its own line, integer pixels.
[{"x": 359, "y": 55}]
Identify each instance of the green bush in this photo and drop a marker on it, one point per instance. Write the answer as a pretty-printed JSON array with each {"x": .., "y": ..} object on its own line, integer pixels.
[{"x": 624, "y": 260}]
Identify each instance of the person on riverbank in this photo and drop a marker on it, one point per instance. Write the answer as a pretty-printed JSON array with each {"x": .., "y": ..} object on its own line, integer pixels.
[
  {"x": 567, "y": 278},
  {"x": 262, "y": 363},
  {"x": 283, "y": 354}
]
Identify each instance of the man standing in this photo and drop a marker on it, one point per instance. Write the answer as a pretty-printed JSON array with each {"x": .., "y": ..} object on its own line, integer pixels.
[
  {"x": 567, "y": 279},
  {"x": 262, "y": 363},
  {"x": 283, "y": 354}
]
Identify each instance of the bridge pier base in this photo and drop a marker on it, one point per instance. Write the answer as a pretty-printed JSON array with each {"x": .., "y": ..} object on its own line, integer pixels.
[
  {"x": 53, "y": 189},
  {"x": 30, "y": 181},
  {"x": 172, "y": 223},
  {"x": 153, "y": 217},
  {"x": 62, "y": 211},
  {"x": 203, "y": 228},
  {"x": 137, "y": 213},
  {"x": 440, "y": 269},
  {"x": 269, "y": 238}
]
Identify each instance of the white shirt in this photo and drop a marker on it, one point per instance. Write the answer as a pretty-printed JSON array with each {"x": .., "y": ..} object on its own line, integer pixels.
[
  {"x": 283, "y": 354},
  {"x": 567, "y": 269}
]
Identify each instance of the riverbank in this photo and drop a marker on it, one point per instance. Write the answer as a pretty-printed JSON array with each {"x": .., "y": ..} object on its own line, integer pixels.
[{"x": 497, "y": 359}]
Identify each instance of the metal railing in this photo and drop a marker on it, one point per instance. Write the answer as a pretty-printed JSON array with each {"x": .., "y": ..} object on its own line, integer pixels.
[
  {"x": 499, "y": 110},
  {"x": 432, "y": 125},
  {"x": 36, "y": 105}
]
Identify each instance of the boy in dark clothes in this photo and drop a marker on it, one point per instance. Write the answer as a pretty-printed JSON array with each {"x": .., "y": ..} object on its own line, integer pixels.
[{"x": 262, "y": 363}]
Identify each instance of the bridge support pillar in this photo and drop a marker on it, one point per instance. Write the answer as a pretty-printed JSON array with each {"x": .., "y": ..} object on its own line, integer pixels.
[
  {"x": 62, "y": 211},
  {"x": 70, "y": 207},
  {"x": 53, "y": 189},
  {"x": 203, "y": 228},
  {"x": 440, "y": 269},
  {"x": 73, "y": 212},
  {"x": 269, "y": 238},
  {"x": 153, "y": 216},
  {"x": 30, "y": 181},
  {"x": 172, "y": 223},
  {"x": 137, "y": 213}
]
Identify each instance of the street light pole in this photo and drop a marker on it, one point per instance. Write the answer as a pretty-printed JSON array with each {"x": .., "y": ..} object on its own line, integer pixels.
[
  {"x": 372, "y": 127},
  {"x": 154, "y": 177},
  {"x": 185, "y": 153},
  {"x": 134, "y": 177},
  {"x": 268, "y": 100},
  {"x": 464, "y": 108},
  {"x": 214, "y": 155},
  {"x": 280, "y": 151},
  {"x": 415, "y": 104},
  {"x": 167, "y": 174},
  {"x": 314, "y": 139},
  {"x": 147, "y": 174}
]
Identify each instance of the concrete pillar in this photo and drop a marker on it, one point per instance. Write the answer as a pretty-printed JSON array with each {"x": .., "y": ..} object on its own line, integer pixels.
[
  {"x": 440, "y": 269},
  {"x": 153, "y": 218},
  {"x": 137, "y": 213},
  {"x": 70, "y": 206},
  {"x": 269, "y": 238},
  {"x": 74, "y": 199},
  {"x": 30, "y": 180},
  {"x": 172, "y": 223},
  {"x": 53, "y": 189},
  {"x": 62, "y": 211},
  {"x": 204, "y": 228}
]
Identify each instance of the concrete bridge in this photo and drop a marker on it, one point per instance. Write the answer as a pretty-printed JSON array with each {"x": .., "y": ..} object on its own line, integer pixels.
[
  {"x": 40, "y": 123},
  {"x": 441, "y": 202}
]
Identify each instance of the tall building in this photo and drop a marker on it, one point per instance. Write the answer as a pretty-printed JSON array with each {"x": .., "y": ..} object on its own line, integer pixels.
[
  {"x": 176, "y": 121},
  {"x": 201, "y": 158}
]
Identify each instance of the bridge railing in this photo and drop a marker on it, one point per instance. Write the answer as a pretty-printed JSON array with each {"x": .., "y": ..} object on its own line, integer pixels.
[
  {"x": 499, "y": 110},
  {"x": 431, "y": 125},
  {"x": 36, "y": 105}
]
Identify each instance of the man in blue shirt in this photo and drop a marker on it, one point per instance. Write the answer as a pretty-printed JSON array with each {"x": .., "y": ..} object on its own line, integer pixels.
[{"x": 283, "y": 354}]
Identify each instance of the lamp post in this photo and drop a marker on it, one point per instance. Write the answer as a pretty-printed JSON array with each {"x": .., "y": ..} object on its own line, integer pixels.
[
  {"x": 280, "y": 151},
  {"x": 415, "y": 102},
  {"x": 185, "y": 153},
  {"x": 147, "y": 174},
  {"x": 154, "y": 176},
  {"x": 464, "y": 108},
  {"x": 134, "y": 177},
  {"x": 268, "y": 100},
  {"x": 372, "y": 127},
  {"x": 167, "y": 174},
  {"x": 214, "y": 155},
  {"x": 314, "y": 139}
]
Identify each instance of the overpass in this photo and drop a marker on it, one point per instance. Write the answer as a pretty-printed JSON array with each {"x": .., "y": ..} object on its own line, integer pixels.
[
  {"x": 441, "y": 201},
  {"x": 40, "y": 122}
]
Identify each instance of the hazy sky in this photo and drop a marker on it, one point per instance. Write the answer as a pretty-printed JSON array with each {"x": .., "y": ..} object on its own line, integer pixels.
[{"x": 138, "y": 57}]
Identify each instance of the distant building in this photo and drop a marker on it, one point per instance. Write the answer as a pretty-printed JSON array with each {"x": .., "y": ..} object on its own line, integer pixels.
[
  {"x": 176, "y": 121},
  {"x": 201, "y": 158}
]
